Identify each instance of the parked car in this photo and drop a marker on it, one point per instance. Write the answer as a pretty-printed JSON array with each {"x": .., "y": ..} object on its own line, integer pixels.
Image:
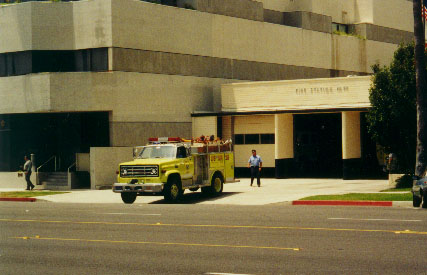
[{"x": 419, "y": 191}]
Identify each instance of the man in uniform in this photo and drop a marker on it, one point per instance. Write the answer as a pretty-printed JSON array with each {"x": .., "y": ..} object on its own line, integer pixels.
[{"x": 255, "y": 163}]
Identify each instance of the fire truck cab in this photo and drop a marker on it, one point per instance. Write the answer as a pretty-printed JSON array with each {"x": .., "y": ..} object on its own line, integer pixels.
[{"x": 168, "y": 166}]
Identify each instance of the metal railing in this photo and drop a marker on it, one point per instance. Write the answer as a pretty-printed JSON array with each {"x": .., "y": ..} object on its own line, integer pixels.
[
  {"x": 46, "y": 162},
  {"x": 71, "y": 166}
]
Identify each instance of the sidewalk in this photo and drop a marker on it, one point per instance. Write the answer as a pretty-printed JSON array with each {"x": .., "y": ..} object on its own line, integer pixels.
[{"x": 240, "y": 193}]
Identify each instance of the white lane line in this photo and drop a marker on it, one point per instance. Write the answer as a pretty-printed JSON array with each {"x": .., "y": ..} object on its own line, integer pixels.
[
  {"x": 393, "y": 220},
  {"x": 213, "y": 273},
  {"x": 135, "y": 214}
]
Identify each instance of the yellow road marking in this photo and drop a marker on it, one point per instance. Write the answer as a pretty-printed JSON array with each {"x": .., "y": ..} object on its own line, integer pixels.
[
  {"x": 227, "y": 226},
  {"x": 159, "y": 243}
]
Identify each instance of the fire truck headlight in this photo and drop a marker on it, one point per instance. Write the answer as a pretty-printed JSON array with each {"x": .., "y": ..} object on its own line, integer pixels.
[
  {"x": 124, "y": 172},
  {"x": 153, "y": 171}
]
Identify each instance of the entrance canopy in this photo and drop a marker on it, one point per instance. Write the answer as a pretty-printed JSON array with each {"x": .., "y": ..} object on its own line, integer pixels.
[{"x": 321, "y": 94}]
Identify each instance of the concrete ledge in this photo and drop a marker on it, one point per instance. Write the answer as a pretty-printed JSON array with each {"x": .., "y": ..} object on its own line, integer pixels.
[
  {"x": 345, "y": 203},
  {"x": 19, "y": 199}
]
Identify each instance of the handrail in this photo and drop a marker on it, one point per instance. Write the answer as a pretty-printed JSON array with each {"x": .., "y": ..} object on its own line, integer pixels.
[
  {"x": 74, "y": 164},
  {"x": 52, "y": 157}
]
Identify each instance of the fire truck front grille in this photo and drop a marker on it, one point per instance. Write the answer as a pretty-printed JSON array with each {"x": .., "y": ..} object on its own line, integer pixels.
[{"x": 130, "y": 171}]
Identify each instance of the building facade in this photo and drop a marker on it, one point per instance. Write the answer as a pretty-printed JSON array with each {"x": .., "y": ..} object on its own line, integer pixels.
[
  {"x": 88, "y": 74},
  {"x": 301, "y": 128}
]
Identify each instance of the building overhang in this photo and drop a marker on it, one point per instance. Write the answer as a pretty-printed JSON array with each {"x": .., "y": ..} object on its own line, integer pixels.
[{"x": 296, "y": 96}]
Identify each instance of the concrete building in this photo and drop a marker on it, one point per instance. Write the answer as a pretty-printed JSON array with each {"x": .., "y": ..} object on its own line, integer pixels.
[{"x": 96, "y": 77}]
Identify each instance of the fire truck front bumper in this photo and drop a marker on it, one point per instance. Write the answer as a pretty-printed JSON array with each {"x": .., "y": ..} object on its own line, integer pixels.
[{"x": 138, "y": 188}]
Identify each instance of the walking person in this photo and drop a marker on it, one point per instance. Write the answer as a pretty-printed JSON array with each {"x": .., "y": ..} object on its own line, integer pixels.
[
  {"x": 255, "y": 163},
  {"x": 27, "y": 170}
]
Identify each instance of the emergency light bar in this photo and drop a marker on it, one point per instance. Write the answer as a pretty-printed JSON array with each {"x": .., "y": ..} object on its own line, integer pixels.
[{"x": 165, "y": 139}]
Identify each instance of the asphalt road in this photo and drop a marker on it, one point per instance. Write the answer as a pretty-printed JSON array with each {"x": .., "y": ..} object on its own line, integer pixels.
[{"x": 52, "y": 238}]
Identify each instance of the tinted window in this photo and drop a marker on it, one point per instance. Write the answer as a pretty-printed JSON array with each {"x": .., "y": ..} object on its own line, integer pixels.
[
  {"x": 252, "y": 139},
  {"x": 238, "y": 139},
  {"x": 267, "y": 138}
]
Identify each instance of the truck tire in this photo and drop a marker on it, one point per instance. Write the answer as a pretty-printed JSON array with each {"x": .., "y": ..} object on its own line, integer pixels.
[
  {"x": 128, "y": 198},
  {"x": 424, "y": 205},
  {"x": 217, "y": 184},
  {"x": 416, "y": 201},
  {"x": 173, "y": 190}
]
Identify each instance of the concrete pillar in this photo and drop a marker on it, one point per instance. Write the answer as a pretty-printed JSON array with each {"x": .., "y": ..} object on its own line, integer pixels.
[
  {"x": 284, "y": 145},
  {"x": 33, "y": 161},
  {"x": 351, "y": 147}
]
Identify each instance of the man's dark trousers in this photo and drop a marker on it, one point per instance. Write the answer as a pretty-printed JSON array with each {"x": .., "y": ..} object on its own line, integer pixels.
[
  {"x": 255, "y": 174},
  {"x": 29, "y": 183}
]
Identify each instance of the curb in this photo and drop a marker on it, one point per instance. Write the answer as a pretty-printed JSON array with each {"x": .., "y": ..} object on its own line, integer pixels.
[
  {"x": 19, "y": 199},
  {"x": 345, "y": 203}
]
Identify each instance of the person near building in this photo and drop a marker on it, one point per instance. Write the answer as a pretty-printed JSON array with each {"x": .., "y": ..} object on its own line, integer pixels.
[
  {"x": 27, "y": 170},
  {"x": 255, "y": 164}
]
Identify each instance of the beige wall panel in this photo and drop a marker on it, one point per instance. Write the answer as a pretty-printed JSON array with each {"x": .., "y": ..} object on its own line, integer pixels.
[
  {"x": 83, "y": 162},
  {"x": 343, "y": 92},
  {"x": 92, "y": 24},
  {"x": 134, "y": 96},
  {"x": 342, "y": 46},
  {"x": 396, "y": 14},
  {"x": 52, "y": 24},
  {"x": 104, "y": 162},
  {"x": 55, "y": 25},
  {"x": 364, "y": 11},
  {"x": 242, "y": 153},
  {"x": 130, "y": 96},
  {"x": 24, "y": 94},
  {"x": 11, "y": 180},
  {"x": 341, "y": 11},
  {"x": 227, "y": 132},
  {"x": 137, "y": 133},
  {"x": 255, "y": 124},
  {"x": 205, "y": 126},
  {"x": 351, "y": 146},
  {"x": 359, "y": 55},
  {"x": 215, "y": 35},
  {"x": 378, "y": 52},
  {"x": 161, "y": 28},
  {"x": 17, "y": 35}
]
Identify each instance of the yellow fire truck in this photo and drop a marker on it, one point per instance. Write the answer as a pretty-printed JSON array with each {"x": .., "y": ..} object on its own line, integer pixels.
[{"x": 168, "y": 166}]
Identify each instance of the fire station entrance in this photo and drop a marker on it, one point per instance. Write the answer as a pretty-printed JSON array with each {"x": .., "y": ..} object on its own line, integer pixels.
[
  {"x": 46, "y": 135},
  {"x": 318, "y": 145}
]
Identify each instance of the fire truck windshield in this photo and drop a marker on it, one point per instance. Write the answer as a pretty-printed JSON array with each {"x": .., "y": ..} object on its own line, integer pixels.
[{"x": 157, "y": 152}]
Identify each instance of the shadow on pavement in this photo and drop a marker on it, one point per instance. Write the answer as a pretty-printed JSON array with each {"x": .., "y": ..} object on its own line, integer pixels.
[{"x": 191, "y": 198}]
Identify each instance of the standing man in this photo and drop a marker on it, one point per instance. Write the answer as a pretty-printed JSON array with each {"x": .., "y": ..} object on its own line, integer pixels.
[
  {"x": 27, "y": 170},
  {"x": 255, "y": 163}
]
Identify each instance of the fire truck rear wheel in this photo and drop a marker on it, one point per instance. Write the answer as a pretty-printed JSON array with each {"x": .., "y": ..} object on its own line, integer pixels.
[
  {"x": 173, "y": 190},
  {"x": 128, "y": 197},
  {"x": 217, "y": 184}
]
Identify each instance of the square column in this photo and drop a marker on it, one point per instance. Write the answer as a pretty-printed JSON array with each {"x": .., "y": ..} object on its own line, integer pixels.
[
  {"x": 351, "y": 147},
  {"x": 284, "y": 145}
]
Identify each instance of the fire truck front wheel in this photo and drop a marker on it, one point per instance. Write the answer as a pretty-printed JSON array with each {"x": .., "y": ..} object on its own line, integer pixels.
[
  {"x": 128, "y": 197},
  {"x": 172, "y": 190}
]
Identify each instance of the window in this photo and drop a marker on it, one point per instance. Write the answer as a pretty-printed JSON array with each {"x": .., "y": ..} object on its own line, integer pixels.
[
  {"x": 267, "y": 138},
  {"x": 336, "y": 27},
  {"x": 240, "y": 139},
  {"x": 181, "y": 153},
  {"x": 252, "y": 139}
]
